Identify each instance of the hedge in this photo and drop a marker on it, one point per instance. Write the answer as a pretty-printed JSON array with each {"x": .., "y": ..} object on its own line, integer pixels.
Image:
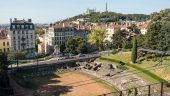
[{"x": 137, "y": 68}]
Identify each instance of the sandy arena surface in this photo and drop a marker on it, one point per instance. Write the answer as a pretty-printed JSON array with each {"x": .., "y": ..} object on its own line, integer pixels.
[{"x": 74, "y": 84}]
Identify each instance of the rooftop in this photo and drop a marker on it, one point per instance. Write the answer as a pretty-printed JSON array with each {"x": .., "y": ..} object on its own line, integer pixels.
[
  {"x": 3, "y": 34},
  {"x": 29, "y": 21}
]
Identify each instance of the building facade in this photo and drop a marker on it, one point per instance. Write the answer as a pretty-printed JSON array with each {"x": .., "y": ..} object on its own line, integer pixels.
[
  {"x": 56, "y": 35},
  {"x": 82, "y": 33},
  {"x": 22, "y": 35},
  {"x": 4, "y": 41}
]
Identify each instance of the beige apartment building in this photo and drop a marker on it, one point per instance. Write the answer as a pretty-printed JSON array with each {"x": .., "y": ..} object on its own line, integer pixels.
[{"x": 4, "y": 41}]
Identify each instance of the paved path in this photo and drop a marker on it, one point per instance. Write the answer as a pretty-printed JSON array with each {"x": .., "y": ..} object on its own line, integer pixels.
[{"x": 55, "y": 61}]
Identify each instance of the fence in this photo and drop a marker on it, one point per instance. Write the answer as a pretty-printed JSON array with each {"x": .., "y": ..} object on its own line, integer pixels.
[{"x": 157, "y": 89}]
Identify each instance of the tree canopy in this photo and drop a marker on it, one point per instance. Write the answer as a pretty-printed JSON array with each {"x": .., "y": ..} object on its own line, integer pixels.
[
  {"x": 73, "y": 45},
  {"x": 98, "y": 17},
  {"x": 39, "y": 31},
  {"x": 158, "y": 35},
  {"x": 96, "y": 37}
]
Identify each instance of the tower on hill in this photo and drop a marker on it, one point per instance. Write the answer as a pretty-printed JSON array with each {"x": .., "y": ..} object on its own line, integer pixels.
[{"x": 106, "y": 7}]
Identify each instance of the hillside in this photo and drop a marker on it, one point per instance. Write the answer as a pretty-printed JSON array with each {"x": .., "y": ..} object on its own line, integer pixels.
[{"x": 109, "y": 17}]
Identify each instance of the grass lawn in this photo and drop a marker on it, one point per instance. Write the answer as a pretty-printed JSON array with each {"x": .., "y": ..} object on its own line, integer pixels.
[{"x": 145, "y": 68}]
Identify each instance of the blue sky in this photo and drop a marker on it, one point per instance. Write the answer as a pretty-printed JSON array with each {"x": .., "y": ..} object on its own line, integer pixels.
[{"x": 48, "y": 11}]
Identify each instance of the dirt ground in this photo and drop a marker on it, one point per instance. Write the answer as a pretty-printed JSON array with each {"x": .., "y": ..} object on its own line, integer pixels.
[{"x": 73, "y": 84}]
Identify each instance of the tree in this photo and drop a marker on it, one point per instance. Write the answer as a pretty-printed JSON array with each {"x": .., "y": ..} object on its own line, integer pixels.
[
  {"x": 158, "y": 35},
  {"x": 133, "y": 30},
  {"x": 4, "y": 79},
  {"x": 98, "y": 17},
  {"x": 62, "y": 48},
  {"x": 37, "y": 41},
  {"x": 119, "y": 38},
  {"x": 39, "y": 31},
  {"x": 73, "y": 45},
  {"x": 96, "y": 37},
  {"x": 134, "y": 51},
  {"x": 14, "y": 55},
  {"x": 83, "y": 49},
  {"x": 3, "y": 62}
]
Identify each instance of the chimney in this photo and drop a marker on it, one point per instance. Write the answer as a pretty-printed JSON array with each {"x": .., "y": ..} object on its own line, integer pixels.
[
  {"x": 10, "y": 20},
  {"x": 15, "y": 19},
  {"x": 63, "y": 25},
  {"x": 51, "y": 25},
  {"x": 29, "y": 20}
]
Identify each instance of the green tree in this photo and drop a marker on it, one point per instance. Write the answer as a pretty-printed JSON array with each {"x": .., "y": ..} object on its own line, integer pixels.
[
  {"x": 96, "y": 37},
  {"x": 14, "y": 55},
  {"x": 4, "y": 80},
  {"x": 62, "y": 48},
  {"x": 158, "y": 35},
  {"x": 37, "y": 41},
  {"x": 105, "y": 17},
  {"x": 134, "y": 51},
  {"x": 133, "y": 30},
  {"x": 39, "y": 31},
  {"x": 119, "y": 38},
  {"x": 73, "y": 45}
]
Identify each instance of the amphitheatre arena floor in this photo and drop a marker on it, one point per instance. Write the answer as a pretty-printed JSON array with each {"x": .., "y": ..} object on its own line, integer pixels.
[{"x": 75, "y": 84}]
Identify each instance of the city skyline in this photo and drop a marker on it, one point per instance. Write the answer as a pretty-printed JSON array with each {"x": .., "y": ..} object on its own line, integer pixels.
[{"x": 51, "y": 11}]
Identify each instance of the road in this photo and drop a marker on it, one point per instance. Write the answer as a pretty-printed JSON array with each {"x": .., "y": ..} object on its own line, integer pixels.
[{"x": 55, "y": 61}]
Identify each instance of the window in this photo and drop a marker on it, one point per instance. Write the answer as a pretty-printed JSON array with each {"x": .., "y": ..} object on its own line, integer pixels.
[
  {"x": 7, "y": 43},
  {"x": 18, "y": 37},
  {"x": 3, "y": 43},
  {"x": 13, "y": 26},
  {"x": 14, "y": 43},
  {"x": 26, "y": 32},
  {"x": 22, "y": 32},
  {"x": 13, "y": 32},
  {"x": 26, "y": 26},
  {"x": 30, "y": 26},
  {"x": 4, "y": 50},
  {"x": 31, "y": 36},
  {"x": 18, "y": 26},
  {"x": 14, "y": 38},
  {"x": 8, "y": 49},
  {"x": 14, "y": 47},
  {"x": 18, "y": 32},
  {"x": 22, "y": 26}
]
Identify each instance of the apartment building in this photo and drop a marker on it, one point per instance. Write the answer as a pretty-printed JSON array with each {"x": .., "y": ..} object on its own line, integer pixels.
[
  {"x": 22, "y": 35},
  {"x": 56, "y": 35},
  {"x": 4, "y": 41}
]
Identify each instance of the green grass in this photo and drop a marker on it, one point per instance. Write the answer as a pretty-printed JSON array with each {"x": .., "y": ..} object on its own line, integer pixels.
[{"x": 142, "y": 68}]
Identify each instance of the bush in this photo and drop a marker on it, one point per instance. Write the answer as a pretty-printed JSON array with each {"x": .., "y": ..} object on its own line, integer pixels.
[{"x": 114, "y": 51}]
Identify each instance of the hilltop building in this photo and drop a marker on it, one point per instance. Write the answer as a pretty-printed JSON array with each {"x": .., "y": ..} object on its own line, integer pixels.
[{"x": 89, "y": 11}]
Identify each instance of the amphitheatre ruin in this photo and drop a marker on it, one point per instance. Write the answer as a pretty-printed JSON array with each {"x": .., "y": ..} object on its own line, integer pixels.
[{"x": 79, "y": 79}]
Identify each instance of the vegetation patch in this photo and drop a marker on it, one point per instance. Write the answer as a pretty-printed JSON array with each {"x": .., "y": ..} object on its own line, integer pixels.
[{"x": 137, "y": 68}]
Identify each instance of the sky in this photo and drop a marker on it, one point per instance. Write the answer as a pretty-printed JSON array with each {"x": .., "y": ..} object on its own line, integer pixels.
[{"x": 49, "y": 11}]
